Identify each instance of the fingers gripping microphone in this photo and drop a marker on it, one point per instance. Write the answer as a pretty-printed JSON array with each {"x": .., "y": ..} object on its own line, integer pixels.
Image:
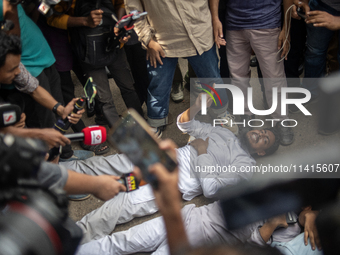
[
  {"x": 9, "y": 114},
  {"x": 63, "y": 125},
  {"x": 90, "y": 136}
]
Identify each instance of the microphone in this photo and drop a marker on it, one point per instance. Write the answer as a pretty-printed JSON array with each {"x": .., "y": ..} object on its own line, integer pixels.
[
  {"x": 63, "y": 125},
  {"x": 9, "y": 114},
  {"x": 92, "y": 135}
]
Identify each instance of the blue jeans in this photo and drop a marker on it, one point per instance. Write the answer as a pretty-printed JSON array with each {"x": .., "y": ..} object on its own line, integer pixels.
[
  {"x": 318, "y": 39},
  {"x": 205, "y": 66}
]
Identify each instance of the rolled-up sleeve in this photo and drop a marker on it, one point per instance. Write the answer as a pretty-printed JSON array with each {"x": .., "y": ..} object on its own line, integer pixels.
[
  {"x": 25, "y": 82},
  {"x": 143, "y": 29},
  {"x": 52, "y": 176}
]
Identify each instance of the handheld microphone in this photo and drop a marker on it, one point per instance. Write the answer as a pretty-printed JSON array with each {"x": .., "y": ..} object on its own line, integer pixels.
[
  {"x": 9, "y": 114},
  {"x": 63, "y": 125},
  {"x": 92, "y": 135},
  {"x": 129, "y": 181}
]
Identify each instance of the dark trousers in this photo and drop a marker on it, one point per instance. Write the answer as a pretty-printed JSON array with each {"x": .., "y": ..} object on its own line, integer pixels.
[
  {"x": 136, "y": 57},
  {"x": 121, "y": 73}
]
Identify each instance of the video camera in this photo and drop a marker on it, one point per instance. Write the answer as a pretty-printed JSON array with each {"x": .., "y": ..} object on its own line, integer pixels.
[
  {"x": 33, "y": 219},
  {"x": 44, "y": 6}
]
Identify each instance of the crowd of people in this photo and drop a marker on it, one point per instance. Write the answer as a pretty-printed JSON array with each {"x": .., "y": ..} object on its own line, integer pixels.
[{"x": 217, "y": 38}]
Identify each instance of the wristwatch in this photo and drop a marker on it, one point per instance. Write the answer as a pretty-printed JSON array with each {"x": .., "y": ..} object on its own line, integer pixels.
[{"x": 54, "y": 109}]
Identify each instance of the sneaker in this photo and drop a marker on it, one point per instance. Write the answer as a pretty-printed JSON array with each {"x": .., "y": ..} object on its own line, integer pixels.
[
  {"x": 78, "y": 197},
  {"x": 157, "y": 131},
  {"x": 287, "y": 135},
  {"x": 230, "y": 120},
  {"x": 177, "y": 92},
  {"x": 78, "y": 155}
]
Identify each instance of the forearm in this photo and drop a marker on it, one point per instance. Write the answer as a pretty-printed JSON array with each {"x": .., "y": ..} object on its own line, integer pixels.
[
  {"x": 45, "y": 99},
  {"x": 267, "y": 230},
  {"x": 177, "y": 238},
  {"x": 22, "y": 132},
  {"x": 189, "y": 114},
  {"x": 81, "y": 183},
  {"x": 213, "y": 4},
  {"x": 77, "y": 22},
  {"x": 286, "y": 5}
]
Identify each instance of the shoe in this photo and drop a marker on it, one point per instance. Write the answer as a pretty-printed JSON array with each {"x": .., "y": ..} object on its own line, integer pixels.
[
  {"x": 97, "y": 149},
  {"x": 78, "y": 155},
  {"x": 177, "y": 94},
  {"x": 287, "y": 135},
  {"x": 253, "y": 62},
  {"x": 78, "y": 197},
  {"x": 230, "y": 120},
  {"x": 157, "y": 131}
]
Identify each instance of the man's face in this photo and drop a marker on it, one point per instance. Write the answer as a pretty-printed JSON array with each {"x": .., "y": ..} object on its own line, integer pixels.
[
  {"x": 10, "y": 69},
  {"x": 260, "y": 140}
]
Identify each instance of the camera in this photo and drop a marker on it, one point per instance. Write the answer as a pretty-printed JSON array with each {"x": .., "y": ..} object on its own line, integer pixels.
[{"x": 33, "y": 219}]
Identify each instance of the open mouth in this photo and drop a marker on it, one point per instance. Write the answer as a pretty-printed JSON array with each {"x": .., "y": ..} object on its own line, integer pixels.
[{"x": 255, "y": 137}]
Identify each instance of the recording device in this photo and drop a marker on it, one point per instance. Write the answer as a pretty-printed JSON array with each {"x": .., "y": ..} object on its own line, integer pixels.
[
  {"x": 63, "y": 125},
  {"x": 92, "y": 135},
  {"x": 133, "y": 137},
  {"x": 10, "y": 114},
  {"x": 34, "y": 220},
  {"x": 291, "y": 218},
  {"x": 6, "y": 25},
  {"x": 301, "y": 13},
  {"x": 129, "y": 181},
  {"x": 45, "y": 7},
  {"x": 125, "y": 25},
  {"x": 90, "y": 91}
]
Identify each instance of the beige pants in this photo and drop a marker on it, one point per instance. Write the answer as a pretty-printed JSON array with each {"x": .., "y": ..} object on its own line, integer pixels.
[{"x": 264, "y": 43}]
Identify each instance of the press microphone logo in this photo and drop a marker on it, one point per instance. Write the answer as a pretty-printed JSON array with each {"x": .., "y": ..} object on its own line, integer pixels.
[
  {"x": 96, "y": 137},
  {"x": 9, "y": 117}
]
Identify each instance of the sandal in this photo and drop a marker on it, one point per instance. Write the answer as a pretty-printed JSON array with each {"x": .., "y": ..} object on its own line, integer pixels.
[{"x": 97, "y": 149}]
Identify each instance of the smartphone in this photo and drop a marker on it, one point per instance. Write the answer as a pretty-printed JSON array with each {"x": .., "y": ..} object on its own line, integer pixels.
[
  {"x": 90, "y": 90},
  {"x": 291, "y": 218},
  {"x": 133, "y": 137}
]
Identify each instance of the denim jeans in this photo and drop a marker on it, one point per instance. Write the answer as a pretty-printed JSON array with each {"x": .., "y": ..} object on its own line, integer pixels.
[
  {"x": 318, "y": 39},
  {"x": 205, "y": 66}
]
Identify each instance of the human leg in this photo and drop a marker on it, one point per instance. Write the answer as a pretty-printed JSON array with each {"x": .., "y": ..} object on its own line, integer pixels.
[
  {"x": 121, "y": 73},
  {"x": 318, "y": 39},
  {"x": 159, "y": 91}
]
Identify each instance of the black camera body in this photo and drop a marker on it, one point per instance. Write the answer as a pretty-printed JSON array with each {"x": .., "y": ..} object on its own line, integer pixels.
[{"x": 33, "y": 220}]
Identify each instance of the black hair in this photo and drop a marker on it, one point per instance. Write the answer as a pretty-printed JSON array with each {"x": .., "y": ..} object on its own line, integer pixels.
[
  {"x": 276, "y": 144},
  {"x": 246, "y": 143},
  {"x": 8, "y": 44}
]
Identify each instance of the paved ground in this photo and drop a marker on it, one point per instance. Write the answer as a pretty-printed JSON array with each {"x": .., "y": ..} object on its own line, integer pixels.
[{"x": 306, "y": 136}]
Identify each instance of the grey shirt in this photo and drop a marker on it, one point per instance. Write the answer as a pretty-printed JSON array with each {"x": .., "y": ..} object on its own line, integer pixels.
[{"x": 52, "y": 176}]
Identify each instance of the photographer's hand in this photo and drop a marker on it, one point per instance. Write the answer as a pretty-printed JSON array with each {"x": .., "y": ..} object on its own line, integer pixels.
[
  {"x": 65, "y": 112},
  {"x": 168, "y": 200}
]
